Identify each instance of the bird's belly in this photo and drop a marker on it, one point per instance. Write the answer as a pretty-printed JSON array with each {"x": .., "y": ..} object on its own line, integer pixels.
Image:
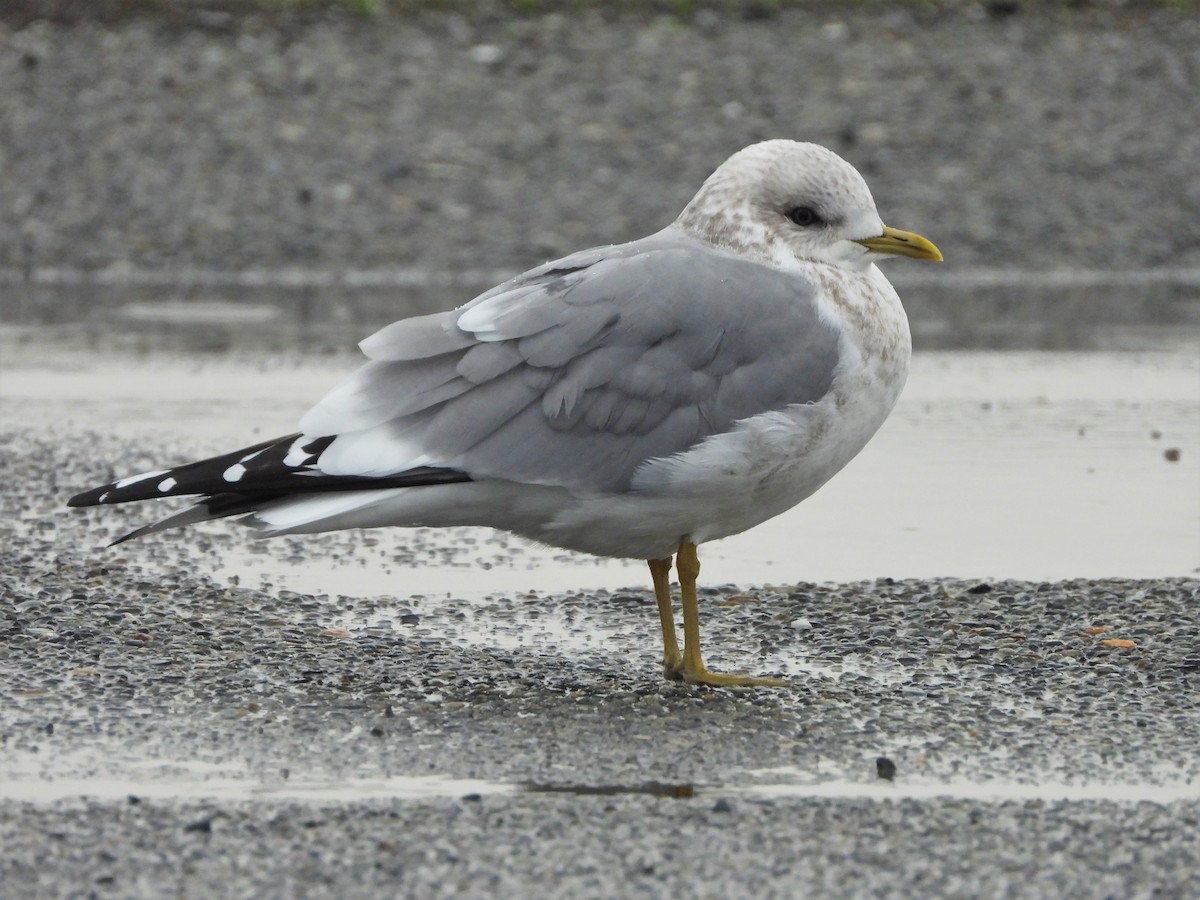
[{"x": 731, "y": 482}]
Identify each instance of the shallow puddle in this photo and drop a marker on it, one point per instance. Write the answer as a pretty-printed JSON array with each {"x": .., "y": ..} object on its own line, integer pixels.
[
  {"x": 1023, "y": 465},
  {"x": 191, "y": 782}
]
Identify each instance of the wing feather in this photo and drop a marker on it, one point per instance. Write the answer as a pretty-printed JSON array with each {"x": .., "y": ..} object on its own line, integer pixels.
[{"x": 577, "y": 373}]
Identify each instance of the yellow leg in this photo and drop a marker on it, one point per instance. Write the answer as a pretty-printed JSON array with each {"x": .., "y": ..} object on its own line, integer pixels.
[
  {"x": 692, "y": 668},
  {"x": 660, "y": 573}
]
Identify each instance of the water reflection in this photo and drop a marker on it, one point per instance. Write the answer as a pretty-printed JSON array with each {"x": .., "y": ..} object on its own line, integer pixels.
[
  {"x": 184, "y": 781},
  {"x": 331, "y": 310}
]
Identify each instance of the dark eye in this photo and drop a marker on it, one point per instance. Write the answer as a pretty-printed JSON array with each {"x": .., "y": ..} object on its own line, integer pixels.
[{"x": 804, "y": 216}]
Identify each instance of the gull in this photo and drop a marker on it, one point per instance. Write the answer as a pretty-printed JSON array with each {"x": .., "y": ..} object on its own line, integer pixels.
[{"x": 633, "y": 400}]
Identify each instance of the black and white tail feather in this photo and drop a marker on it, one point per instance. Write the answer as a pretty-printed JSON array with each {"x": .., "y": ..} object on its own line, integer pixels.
[{"x": 244, "y": 481}]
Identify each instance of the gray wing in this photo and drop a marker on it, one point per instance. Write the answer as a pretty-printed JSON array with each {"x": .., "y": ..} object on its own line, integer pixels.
[{"x": 578, "y": 372}]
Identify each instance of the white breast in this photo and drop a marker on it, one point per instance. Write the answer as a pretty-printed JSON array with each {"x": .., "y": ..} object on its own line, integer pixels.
[{"x": 768, "y": 463}]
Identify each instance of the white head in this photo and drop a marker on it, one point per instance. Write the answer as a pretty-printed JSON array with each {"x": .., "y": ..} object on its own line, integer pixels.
[{"x": 783, "y": 201}]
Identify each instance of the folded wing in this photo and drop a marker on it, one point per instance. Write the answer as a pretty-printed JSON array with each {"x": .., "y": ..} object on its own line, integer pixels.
[
  {"x": 579, "y": 372},
  {"x": 572, "y": 375}
]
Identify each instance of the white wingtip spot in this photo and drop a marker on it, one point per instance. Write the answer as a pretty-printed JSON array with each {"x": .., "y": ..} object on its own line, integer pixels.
[
  {"x": 166, "y": 484},
  {"x": 134, "y": 479},
  {"x": 234, "y": 472},
  {"x": 297, "y": 455}
]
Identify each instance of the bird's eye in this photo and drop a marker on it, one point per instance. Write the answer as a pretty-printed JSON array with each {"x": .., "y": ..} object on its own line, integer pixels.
[{"x": 804, "y": 216}]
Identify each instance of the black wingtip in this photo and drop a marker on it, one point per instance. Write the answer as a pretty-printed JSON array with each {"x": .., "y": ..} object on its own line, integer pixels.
[
  {"x": 89, "y": 498},
  {"x": 137, "y": 532}
]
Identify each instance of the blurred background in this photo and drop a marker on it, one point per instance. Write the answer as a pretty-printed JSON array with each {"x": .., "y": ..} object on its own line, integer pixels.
[
  {"x": 189, "y": 181},
  {"x": 410, "y": 153}
]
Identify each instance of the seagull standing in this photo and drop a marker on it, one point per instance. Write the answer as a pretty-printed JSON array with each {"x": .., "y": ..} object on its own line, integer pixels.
[{"x": 634, "y": 400}]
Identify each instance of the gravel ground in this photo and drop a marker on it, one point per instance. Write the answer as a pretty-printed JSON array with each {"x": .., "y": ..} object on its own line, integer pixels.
[
  {"x": 1013, "y": 135},
  {"x": 133, "y": 664}
]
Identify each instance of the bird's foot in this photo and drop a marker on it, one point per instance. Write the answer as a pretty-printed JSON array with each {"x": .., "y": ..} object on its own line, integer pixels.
[
  {"x": 673, "y": 666},
  {"x": 701, "y": 674}
]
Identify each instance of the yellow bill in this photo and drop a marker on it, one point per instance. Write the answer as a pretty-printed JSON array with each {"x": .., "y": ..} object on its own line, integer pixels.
[{"x": 902, "y": 243}]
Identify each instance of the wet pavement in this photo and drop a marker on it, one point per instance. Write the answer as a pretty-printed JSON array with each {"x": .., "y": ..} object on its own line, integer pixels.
[{"x": 356, "y": 714}]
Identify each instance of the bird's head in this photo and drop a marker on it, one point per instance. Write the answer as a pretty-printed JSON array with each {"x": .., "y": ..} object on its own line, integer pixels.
[{"x": 784, "y": 201}]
